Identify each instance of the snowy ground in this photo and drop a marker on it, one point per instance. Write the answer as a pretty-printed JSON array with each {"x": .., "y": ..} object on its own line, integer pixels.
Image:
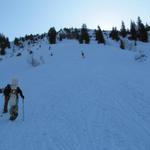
[{"x": 101, "y": 102}]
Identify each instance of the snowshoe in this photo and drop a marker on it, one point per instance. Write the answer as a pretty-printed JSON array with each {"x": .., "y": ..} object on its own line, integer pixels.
[{"x": 13, "y": 116}]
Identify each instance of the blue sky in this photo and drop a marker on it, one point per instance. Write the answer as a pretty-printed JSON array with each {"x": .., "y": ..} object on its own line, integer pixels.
[{"x": 20, "y": 17}]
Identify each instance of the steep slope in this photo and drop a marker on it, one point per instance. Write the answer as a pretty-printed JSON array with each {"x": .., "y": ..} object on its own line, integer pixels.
[{"x": 101, "y": 102}]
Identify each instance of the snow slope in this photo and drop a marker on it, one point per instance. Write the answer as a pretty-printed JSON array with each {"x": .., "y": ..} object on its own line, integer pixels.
[{"x": 101, "y": 102}]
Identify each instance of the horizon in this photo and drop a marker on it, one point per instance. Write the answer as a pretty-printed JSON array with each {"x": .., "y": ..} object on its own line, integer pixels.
[{"x": 36, "y": 17}]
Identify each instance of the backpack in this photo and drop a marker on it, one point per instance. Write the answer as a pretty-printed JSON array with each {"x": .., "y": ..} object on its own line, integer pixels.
[
  {"x": 7, "y": 90},
  {"x": 13, "y": 97}
]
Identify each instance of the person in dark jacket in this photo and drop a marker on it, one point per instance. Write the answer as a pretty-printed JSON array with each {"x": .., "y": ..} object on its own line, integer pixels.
[
  {"x": 15, "y": 92},
  {"x": 1, "y": 90},
  {"x": 6, "y": 92}
]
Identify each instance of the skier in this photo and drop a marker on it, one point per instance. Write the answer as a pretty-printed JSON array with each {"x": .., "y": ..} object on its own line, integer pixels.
[{"x": 14, "y": 92}]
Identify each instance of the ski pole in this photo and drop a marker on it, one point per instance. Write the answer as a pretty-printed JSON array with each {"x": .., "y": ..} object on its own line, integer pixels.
[
  {"x": 1, "y": 113},
  {"x": 23, "y": 110}
]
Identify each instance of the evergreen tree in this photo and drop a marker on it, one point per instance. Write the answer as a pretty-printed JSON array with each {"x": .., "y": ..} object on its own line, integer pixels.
[
  {"x": 139, "y": 22},
  {"x": 84, "y": 36},
  {"x": 142, "y": 32},
  {"x": 52, "y": 35},
  {"x": 114, "y": 34},
  {"x": 4, "y": 43},
  {"x": 139, "y": 25},
  {"x": 99, "y": 36},
  {"x": 61, "y": 34},
  {"x": 16, "y": 42},
  {"x": 143, "y": 35},
  {"x": 133, "y": 31},
  {"x": 147, "y": 27},
  {"x": 7, "y": 43},
  {"x": 76, "y": 34},
  {"x": 123, "y": 31}
]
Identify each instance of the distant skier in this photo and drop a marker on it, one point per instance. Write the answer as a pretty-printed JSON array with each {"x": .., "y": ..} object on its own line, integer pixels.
[
  {"x": 14, "y": 91},
  {"x": 82, "y": 54}
]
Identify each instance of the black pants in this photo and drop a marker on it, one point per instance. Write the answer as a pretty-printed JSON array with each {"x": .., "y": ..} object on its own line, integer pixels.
[{"x": 6, "y": 103}]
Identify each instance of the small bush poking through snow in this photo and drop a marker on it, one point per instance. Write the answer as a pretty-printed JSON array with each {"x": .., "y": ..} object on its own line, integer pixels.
[
  {"x": 19, "y": 54},
  {"x": 140, "y": 57},
  {"x": 33, "y": 61}
]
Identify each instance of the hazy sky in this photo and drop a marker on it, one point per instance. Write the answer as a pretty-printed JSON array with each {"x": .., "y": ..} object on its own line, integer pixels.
[{"x": 20, "y": 17}]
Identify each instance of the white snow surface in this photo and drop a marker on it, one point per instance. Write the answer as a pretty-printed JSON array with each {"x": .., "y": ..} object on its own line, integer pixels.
[{"x": 101, "y": 102}]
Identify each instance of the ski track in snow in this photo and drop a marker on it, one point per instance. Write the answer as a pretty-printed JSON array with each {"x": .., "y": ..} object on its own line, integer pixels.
[{"x": 81, "y": 104}]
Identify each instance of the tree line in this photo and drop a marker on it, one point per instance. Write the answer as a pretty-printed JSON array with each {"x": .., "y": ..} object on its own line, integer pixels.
[{"x": 137, "y": 31}]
